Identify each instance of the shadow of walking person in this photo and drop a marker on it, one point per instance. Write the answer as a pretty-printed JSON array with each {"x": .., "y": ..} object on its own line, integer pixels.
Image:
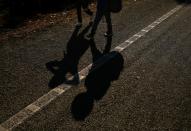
[
  {"x": 66, "y": 70},
  {"x": 105, "y": 69}
]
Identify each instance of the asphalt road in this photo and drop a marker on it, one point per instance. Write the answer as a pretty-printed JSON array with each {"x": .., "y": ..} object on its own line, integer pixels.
[{"x": 151, "y": 93}]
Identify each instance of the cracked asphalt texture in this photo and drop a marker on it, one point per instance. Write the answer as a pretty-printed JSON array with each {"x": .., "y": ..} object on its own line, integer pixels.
[{"x": 153, "y": 92}]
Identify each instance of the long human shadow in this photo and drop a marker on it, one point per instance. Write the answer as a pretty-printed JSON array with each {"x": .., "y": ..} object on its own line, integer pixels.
[
  {"x": 66, "y": 70},
  {"x": 105, "y": 69}
]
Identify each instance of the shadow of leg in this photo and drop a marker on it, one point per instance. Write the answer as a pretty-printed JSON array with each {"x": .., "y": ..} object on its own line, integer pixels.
[{"x": 108, "y": 45}]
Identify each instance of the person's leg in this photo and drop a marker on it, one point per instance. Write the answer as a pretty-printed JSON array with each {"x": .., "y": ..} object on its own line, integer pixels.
[
  {"x": 97, "y": 19},
  {"x": 79, "y": 13},
  {"x": 108, "y": 45},
  {"x": 109, "y": 23},
  {"x": 85, "y": 4}
]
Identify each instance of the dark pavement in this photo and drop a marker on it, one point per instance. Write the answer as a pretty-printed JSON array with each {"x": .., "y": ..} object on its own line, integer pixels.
[{"x": 151, "y": 93}]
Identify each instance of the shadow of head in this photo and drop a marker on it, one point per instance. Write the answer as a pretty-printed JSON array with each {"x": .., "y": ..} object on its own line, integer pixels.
[
  {"x": 99, "y": 79},
  {"x": 81, "y": 106},
  {"x": 97, "y": 83}
]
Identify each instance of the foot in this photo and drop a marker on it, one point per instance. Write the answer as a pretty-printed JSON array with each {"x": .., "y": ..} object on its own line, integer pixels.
[
  {"x": 90, "y": 37},
  {"x": 108, "y": 34},
  {"x": 79, "y": 24}
]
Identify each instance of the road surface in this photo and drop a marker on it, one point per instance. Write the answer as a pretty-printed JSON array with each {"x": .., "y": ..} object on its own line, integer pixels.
[{"x": 145, "y": 85}]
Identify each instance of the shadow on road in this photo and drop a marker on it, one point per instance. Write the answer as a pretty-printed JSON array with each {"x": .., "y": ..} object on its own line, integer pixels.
[
  {"x": 183, "y": 1},
  {"x": 105, "y": 69},
  {"x": 66, "y": 70}
]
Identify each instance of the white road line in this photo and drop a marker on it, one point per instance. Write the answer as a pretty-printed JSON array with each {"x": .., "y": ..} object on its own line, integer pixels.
[
  {"x": 36, "y": 106},
  {"x": 145, "y": 30},
  {"x": 141, "y": 33},
  {"x": 118, "y": 48},
  {"x": 32, "y": 108}
]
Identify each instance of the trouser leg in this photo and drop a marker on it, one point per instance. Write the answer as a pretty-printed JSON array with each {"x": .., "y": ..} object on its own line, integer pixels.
[
  {"x": 79, "y": 12},
  {"x": 86, "y": 9},
  {"x": 97, "y": 19},
  {"x": 108, "y": 20}
]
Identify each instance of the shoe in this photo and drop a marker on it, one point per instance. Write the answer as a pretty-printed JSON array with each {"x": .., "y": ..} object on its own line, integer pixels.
[
  {"x": 79, "y": 24},
  {"x": 108, "y": 34},
  {"x": 89, "y": 37}
]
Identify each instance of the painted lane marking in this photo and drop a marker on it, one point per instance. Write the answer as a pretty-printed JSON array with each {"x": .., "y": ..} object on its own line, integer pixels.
[
  {"x": 135, "y": 37},
  {"x": 40, "y": 103}
]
